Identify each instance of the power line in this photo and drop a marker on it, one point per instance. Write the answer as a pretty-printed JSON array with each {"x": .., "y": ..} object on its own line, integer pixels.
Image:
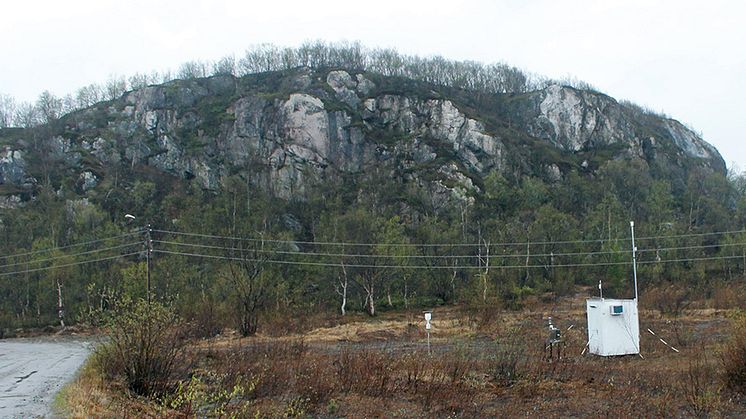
[
  {"x": 139, "y": 231},
  {"x": 328, "y": 264},
  {"x": 319, "y": 243},
  {"x": 324, "y": 264},
  {"x": 467, "y": 256},
  {"x": 452, "y": 267},
  {"x": 68, "y": 264},
  {"x": 285, "y": 252},
  {"x": 252, "y": 239},
  {"x": 70, "y": 255},
  {"x": 714, "y": 233},
  {"x": 499, "y": 244},
  {"x": 702, "y": 246},
  {"x": 650, "y": 262}
]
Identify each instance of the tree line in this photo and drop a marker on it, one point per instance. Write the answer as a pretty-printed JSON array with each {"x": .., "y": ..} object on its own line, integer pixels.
[
  {"x": 240, "y": 255},
  {"x": 498, "y": 78}
]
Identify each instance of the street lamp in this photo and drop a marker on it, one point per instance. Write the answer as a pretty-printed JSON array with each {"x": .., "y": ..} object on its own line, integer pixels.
[{"x": 148, "y": 250}]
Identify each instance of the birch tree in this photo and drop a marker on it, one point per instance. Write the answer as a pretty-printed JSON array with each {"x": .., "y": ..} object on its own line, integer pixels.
[{"x": 7, "y": 111}]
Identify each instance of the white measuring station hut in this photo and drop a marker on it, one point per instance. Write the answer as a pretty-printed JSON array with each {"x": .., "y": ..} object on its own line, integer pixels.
[
  {"x": 613, "y": 324},
  {"x": 613, "y": 327}
]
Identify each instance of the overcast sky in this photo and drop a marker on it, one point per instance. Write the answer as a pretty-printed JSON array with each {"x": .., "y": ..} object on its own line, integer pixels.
[{"x": 686, "y": 58}]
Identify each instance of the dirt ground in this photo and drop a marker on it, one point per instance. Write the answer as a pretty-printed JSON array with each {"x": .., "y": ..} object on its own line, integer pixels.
[{"x": 481, "y": 362}]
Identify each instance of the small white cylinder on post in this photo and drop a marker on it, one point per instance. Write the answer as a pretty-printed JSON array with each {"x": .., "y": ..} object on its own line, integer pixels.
[{"x": 428, "y": 317}]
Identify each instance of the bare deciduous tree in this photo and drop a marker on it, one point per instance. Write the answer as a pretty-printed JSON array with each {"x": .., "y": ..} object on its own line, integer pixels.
[
  {"x": 193, "y": 70},
  {"x": 7, "y": 111},
  {"x": 69, "y": 104},
  {"x": 49, "y": 107},
  {"x": 247, "y": 276},
  {"x": 89, "y": 95},
  {"x": 115, "y": 87},
  {"x": 26, "y": 115},
  {"x": 139, "y": 80},
  {"x": 225, "y": 66}
]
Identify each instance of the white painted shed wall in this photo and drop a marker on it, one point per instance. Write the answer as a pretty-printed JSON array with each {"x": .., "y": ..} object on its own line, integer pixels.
[{"x": 609, "y": 334}]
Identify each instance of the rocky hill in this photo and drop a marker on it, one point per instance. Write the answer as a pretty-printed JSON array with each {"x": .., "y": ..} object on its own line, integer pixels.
[
  {"x": 286, "y": 131},
  {"x": 278, "y": 190}
]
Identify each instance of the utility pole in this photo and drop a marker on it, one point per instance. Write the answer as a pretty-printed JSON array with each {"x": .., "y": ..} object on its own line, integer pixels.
[
  {"x": 148, "y": 255},
  {"x": 148, "y": 251}
]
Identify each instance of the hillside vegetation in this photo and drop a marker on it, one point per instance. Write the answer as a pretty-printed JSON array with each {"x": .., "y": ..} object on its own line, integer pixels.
[{"x": 328, "y": 180}]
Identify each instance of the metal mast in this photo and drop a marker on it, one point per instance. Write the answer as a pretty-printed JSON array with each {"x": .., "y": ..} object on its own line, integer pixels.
[{"x": 634, "y": 255}]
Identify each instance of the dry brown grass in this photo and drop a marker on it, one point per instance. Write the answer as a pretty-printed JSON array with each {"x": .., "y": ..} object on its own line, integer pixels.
[
  {"x": 90, "y": 395},
  {"x": 485, "y": 363}
]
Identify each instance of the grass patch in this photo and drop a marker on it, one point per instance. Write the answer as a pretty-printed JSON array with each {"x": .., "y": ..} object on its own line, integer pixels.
[
  {"x": 484, "y": 362},
  {"x": 82, "y": 396}
]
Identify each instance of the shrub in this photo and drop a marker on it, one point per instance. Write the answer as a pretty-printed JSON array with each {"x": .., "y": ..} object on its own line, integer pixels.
[
  {"x": 506, "y": 364},
  {"x": 727, "y": 295},
  {"x": 207, "y": 396},
  {"x": 734, "y": 357},
  {"x": 145, "y": 342},
  {"x": 668, "y": 299},
  {"x": 205, "y": 318},
  {"x": 698, "y": 385}
]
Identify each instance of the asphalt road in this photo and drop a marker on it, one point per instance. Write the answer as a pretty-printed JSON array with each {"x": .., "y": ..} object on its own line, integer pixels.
[{"x": 32, "y": 371}]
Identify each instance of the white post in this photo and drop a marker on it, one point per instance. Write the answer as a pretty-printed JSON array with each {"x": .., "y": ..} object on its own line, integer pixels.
[
  {"x": 428, "y": 316},
  {"x": 634, "y": 256}
]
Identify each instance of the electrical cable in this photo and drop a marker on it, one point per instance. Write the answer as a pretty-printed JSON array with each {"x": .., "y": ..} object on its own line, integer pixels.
[
  {"x": 703, "y": 246},
  {"x": 524, "y": 243},
  {"x": 378, "y": 266},
  {"x": 139, "y": 231},
  {"x": 70, "y": 255},
  {"x": 492, "y": 256},
  {"x": 68, "y": 264},
  {"x": 251, "y": 239},
  {"x": 451, "y": 267},
  {"x": 650, "y": 262},
  {"x": 713, "y": 233},
  {"x": 327, "y": 264}
]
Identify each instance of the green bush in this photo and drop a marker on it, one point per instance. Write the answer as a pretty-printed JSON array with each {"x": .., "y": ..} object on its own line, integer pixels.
[{"x": 145, "y": 342}]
